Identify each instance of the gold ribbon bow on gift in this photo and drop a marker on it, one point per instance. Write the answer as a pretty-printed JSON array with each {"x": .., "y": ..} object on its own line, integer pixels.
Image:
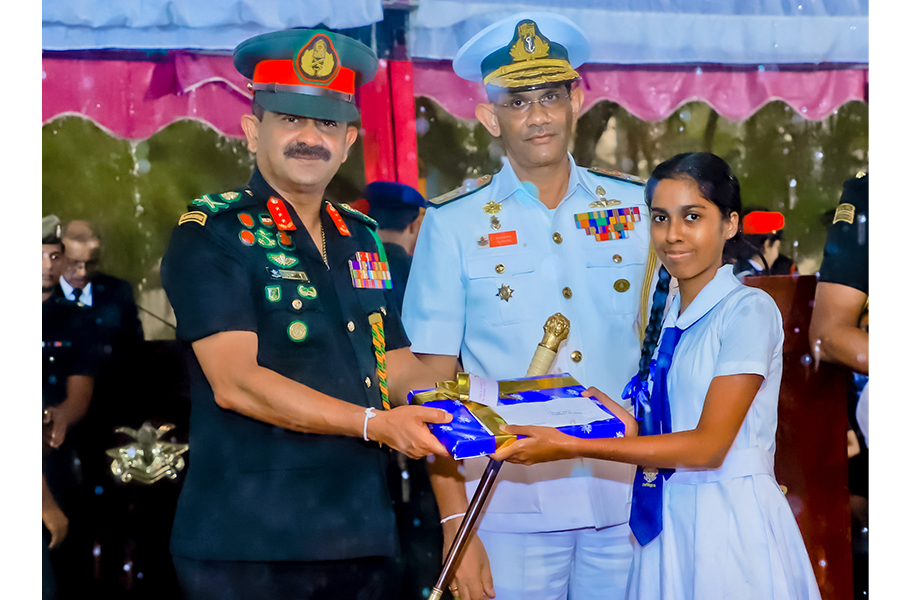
[{"x": 459, "y": 390}]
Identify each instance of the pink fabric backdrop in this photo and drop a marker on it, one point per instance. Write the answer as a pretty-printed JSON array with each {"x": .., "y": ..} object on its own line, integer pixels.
[{"x": 136, "y": 98}]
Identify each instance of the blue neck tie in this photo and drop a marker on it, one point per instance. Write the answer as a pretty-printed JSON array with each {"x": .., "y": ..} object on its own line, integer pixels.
[{"x": 646, "y": 503}]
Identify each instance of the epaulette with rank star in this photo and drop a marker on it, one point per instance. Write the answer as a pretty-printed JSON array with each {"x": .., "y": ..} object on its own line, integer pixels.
[
  {"x": 366, "y": 219},
  {"x": 461, "y": 191},
  {"x": 210, "y": 205},
  {"x": 617, "y": 175}
]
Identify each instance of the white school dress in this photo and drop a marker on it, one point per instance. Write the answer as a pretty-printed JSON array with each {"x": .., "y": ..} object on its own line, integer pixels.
[{"x": 728, "y": 533}]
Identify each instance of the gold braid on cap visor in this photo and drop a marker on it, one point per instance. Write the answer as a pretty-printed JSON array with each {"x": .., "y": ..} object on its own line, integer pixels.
[{"x": 532, "y": 72}]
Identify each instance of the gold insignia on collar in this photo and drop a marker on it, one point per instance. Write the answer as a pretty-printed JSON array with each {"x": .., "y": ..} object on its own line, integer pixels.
[
  {"x": 492, "y": 208},
  {"x": 529, "y": 44},
  {"x": 318, "y": 60},
  {"x": 845, "y": 212}
]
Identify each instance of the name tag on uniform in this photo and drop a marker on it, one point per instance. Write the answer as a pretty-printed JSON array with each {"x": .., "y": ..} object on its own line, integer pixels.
[
  {"x": 503, "y": 238},
  {"x": 286, "y": 274},
  {"x": 613, "y": 224}
]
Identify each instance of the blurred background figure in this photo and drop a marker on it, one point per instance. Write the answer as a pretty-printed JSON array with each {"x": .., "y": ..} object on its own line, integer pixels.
[
  {"x": 106, "y": 306},
  {"x": 761, "y": 252},
  {"x": 67, "y": 385},
  {"x": 399, "y": 209},
  {"x": 839, "y": 333}
]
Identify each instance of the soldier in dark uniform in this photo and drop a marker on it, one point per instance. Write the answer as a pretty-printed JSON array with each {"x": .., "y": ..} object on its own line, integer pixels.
[
  {"x": 67, "y": 378},
  {"x": 298, "y": 351},
  {"x": 838, "y": 333}
]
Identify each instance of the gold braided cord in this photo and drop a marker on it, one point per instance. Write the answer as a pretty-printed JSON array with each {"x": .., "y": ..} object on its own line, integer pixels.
[
  {"x": 646, "y": 294},
  {"x": 532, "y": 72}
]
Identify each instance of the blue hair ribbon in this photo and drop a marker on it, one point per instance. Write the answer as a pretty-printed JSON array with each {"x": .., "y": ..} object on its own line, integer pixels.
[{"x": 638, "y": 391}]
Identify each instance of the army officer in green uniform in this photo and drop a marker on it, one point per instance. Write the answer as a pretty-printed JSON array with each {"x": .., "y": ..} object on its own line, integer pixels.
[{"x": 298, "y": 350}]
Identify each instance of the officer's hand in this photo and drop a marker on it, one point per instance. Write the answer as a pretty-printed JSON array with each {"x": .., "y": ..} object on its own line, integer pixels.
[
  {"x": 56, "y": 523},
  {"x": 55, "y": 426},
  {"x": 472, "y": 580},
  {"x": 404, "y": 429}
]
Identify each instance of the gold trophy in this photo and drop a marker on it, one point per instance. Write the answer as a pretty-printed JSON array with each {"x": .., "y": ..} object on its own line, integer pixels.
[{"x": 556, "y": 329}]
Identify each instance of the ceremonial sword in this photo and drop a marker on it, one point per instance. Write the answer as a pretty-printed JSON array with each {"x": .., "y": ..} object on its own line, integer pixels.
[{"x": 556, "y": 329}]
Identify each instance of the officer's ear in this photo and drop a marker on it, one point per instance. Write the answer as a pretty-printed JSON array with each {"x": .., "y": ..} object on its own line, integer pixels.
[
  {"x": 250, "y": 125},
  {"x": 352, "y": 133},
  {"x": 485, "y": 113},
  {"x": 577, "y": 102}
]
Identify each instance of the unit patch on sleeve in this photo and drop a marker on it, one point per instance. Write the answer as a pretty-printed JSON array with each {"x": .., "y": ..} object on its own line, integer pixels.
[
  {"x": 613, "y": 224},
  {"x": 370, "y": 272}
]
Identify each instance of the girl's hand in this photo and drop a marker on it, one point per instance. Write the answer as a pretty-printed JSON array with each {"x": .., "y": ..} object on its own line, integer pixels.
[
  {"x": 631, "y": 426},
  {"x": 543, "y": 444}
]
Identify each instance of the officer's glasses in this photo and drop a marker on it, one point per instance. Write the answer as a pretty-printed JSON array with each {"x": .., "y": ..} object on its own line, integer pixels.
[{"x": 549, "y": 101}]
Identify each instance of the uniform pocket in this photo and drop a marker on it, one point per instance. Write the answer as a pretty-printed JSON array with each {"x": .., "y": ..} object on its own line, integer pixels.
[
  {"x": 502, "y": 286},
  {"x": 616, "y": 274}
]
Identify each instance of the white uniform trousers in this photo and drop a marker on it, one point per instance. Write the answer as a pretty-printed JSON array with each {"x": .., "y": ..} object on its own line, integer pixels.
[{"x": 580, "y": 564}]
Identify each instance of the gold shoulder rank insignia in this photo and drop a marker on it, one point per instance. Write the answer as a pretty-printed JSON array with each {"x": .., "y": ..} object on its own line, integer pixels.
[
  {"x": 195, "y": 216},
  {"x": 461, "y": 191},
  {"x": 617, "y": 175},
  {"x": 845, "y": 212}
]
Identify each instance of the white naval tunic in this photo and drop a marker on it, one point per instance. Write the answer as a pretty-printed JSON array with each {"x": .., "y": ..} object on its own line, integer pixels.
[
  {"x": 727, "y": 533},
  {"x": 452, "y": 307}
]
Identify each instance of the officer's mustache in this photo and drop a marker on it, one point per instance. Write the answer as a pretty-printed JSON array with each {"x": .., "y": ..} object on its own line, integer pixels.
[{"x": 303, "y": 150}]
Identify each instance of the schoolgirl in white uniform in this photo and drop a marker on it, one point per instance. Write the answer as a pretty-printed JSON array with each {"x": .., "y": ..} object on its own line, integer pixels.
[{"x": 708, "y": 516}]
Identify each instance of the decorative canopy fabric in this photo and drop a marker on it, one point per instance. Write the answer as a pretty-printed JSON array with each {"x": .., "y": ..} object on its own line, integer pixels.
[
  {"x": 670, "y": 31},
  {"x": 136, "y": 98},
  {"x": 197, "y": 24}
]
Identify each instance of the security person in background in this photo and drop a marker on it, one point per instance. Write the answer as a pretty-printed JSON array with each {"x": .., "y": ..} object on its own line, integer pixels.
[
  {"x": 283, "y": 298},
  {"x": 842, "y": 293},
  {"x": 67, "y": 385},
  {"x": 397, "y": 209},
  {"x": 839, "y": 333},
  {"x": 492, "y": 263}
]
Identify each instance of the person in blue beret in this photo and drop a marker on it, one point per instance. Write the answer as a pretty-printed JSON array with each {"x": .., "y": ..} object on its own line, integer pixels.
[
  {"x": 398, "y": 209},
  {"x": 493, "y": 261},
  {"x": 298, "y": 355}
]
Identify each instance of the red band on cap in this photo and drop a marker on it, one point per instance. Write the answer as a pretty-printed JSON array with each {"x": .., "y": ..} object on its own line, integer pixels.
[
  {"x": 282, "y": 71},
  {"x": 759, "y": 222}
]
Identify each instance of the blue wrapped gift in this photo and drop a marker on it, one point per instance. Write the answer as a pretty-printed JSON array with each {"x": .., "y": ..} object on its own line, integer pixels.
[{"x": 553, "y": 400}]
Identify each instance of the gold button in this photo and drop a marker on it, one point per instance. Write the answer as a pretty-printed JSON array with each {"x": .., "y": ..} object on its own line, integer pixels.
[
  {"x": 297, "y": 304},
  {"x": 567, "y": 293},
  {"x": 617, "y": 258},
  {"x": 576, "y": 356},
  {"x": 557, "y": 237},
  {"x": 621, "y": 285},
  {"x": 368, "y": 382},
  {"x": 351, "y": 326},
  {"x": 500, "y": 268}
]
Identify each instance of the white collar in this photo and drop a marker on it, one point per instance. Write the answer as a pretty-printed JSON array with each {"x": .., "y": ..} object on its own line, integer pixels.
[
  {"x": 69, "y": 291},
  {"x": 505, "y": 183},
  {"x": 721, "y": 285}
]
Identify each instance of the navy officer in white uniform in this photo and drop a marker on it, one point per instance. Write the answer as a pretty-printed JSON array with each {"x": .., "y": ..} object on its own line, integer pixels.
[{"x": 492, "y": 262}]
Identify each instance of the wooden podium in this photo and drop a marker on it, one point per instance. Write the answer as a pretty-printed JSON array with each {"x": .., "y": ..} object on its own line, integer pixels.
[{"x": 811, "y": 441}]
